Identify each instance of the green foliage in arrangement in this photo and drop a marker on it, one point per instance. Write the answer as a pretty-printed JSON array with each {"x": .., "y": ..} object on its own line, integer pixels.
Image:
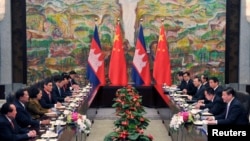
[{"x": 131, "y": 124}]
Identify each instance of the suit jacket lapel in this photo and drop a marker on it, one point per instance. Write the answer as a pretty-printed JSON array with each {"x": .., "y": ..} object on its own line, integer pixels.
[{"x": 10, "y": 125}]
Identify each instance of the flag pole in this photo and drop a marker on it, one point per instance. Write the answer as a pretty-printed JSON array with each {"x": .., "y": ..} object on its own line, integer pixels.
[
  {"x": 141, "y": 21},
  {"x": 141, "y": 73},
  {"x": 117, "y": 65},
  {"x": 161, "y": 74},
  {"x": 95, "y": 74},
  {"x": 162, "y": 23}
]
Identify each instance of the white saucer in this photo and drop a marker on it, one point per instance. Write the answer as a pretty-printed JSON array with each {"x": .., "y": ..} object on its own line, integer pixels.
[
  {"x": 51, "y": 114},
  {"x": 195, "y": 111},
  {"x": 49, "y": 135},
  {"x": 46, "y": 140},
  {"x": 60, "y": 123},
  {"x": 206, "y": 114},
  {"x": 199, "y": 122}
]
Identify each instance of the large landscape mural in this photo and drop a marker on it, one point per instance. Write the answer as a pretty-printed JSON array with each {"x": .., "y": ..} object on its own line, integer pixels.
[{"x": 59, "y": 33}]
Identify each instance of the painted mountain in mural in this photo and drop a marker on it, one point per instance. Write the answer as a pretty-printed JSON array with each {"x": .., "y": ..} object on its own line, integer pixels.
[{"x": 59, "y": 33}]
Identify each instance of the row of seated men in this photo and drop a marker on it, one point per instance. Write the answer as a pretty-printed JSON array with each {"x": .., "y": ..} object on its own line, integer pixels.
[
  {"x": 219, "y": 101},
  {"x": 21, "y": 118}
]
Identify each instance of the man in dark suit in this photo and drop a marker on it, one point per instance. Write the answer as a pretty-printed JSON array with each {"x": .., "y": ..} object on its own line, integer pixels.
[
  {"x": 9, "y": 129},
  {"x": 57, "y": 89},
  {"x": 23, "y": 117},
  {"x": 199, "y": 95},
  {"x": 48, "y": 99},
  {"x": 189, "y": 88},
  {"x": 235, "y": 113},
  {"x": 214, "y": 83},
  {"x": 65, "y": 88},
  {"x": 215, "y": 105},
  {"x": 182, "y": 83},
  {"x": 204, "y": 80},
  {"x": 72, "y": 83}
]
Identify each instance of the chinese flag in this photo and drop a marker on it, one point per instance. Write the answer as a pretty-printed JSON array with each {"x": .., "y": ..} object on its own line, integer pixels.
[
  {"x": 117, "y": 66},
  {"x": 95, "y": 67},
  {"x": 162, "y": 65}
]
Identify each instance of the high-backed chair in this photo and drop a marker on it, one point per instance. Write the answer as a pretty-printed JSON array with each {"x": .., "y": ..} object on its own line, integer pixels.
[
  {"x": 10, "y": 98},
  {"x": 244, "y": 98}
]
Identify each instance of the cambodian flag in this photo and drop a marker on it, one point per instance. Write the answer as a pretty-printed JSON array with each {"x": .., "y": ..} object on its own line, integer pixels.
[
  {"x": 95, "y": 67},
  {"x": 141, "y": 70}
]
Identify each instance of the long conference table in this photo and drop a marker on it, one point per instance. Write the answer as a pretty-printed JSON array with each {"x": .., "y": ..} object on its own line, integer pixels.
[
  {"x": 152, "y": 97},
  {"x": 187, "y": 132},
  {"x": 70, "y": 132}
]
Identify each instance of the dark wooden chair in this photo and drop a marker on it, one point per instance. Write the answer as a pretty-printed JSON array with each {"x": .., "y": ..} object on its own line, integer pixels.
[
  {"x": 244, "y": 98},
  {"x": 10, "y": 98}
]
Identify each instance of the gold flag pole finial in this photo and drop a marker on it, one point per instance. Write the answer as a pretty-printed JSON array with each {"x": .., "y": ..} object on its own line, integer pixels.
[
  {"x": 118, "y": 20},
  {"x": 96, "y": 20},
  {"x": 162, "y": 20},
  {"x": 141, "y": 20}
]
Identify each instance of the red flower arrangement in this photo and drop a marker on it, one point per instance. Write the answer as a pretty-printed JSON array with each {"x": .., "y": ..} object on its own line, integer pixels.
[{"x": 131, "y": 124}]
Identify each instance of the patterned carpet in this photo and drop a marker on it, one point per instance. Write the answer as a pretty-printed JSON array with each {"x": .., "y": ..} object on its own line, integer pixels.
[{"x": 103, "y": 119}]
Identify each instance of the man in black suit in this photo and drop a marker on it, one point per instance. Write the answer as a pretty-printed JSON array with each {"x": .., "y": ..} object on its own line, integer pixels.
[
  {"x": 215, "y": 105},
  {"x": 48, "y": 99},
  {"x": 199, "y": 95},
  {"x": 65, "y": 88},
  {"x": 23, "y": 117},
  {"x": 72, "y": 83},
  {"x": 9, "y": 129},
  {"x": 214, "y": 83},
  {"x": 189, "y": 88},
  {"x": 235, "y": 113},
  {"x": 204, "y": 80},
  {"x": 58, "y": 89},
  {"x": 182, "y": 83}
]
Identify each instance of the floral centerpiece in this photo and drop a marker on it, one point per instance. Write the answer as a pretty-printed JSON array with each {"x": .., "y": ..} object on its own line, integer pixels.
[
  {"x": 81, "y": 121},
  {"x": 176, "y": 122},
  {"x": 179, "y": 119},
  {"x": 131, "y": 124}
]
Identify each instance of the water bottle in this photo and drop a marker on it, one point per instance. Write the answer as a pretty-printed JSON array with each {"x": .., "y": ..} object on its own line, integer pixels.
[{"x": 57, "y": 128}]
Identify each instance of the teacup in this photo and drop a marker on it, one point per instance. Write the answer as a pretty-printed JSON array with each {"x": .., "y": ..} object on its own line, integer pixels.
[
  {"x": 60, "y": 118},
  {"x": 49, "y": 132},
  {"x": 51, "y": 129}
]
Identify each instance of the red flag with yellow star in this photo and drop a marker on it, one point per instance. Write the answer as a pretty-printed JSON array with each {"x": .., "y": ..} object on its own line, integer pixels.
[
  {"x": 117, "y": 66},
  {"x": 162, "y": 64}
]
